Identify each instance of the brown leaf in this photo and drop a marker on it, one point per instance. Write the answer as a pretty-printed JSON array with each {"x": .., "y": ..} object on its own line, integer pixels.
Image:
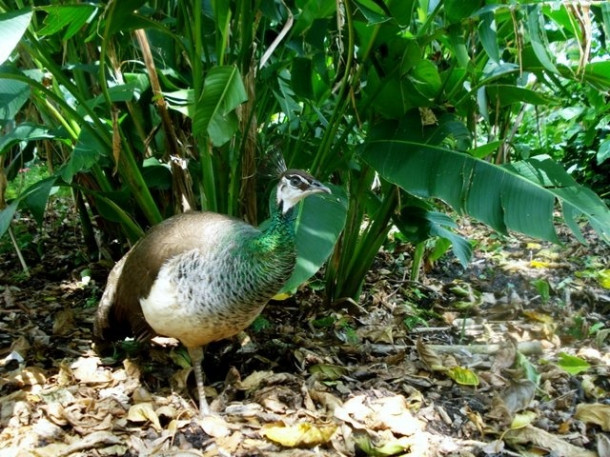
[
  {"x": 596, "y": 413},
  {"x": 429, "y": 357},
  {"x": 142, "y": 412},
  {"x": 505, "y": 357},
  {"x": 547, "y": 441},
  {"x": 63, "y": 323},
  {"x": 519, "y": 395},
  {"x": 253, "y": 381}
]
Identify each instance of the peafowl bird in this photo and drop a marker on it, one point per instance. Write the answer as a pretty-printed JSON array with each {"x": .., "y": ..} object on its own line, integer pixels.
[{"x": 200, "y": 277}]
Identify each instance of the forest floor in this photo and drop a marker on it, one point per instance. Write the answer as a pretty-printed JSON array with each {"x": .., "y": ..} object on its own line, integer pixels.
[{"x": 507, "y": 357}]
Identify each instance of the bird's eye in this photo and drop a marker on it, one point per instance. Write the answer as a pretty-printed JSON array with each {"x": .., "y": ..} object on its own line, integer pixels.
[{"x": 294, "y": 181}]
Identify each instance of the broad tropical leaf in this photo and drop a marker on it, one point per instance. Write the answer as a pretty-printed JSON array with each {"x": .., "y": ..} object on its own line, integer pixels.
[
  {"x": 223, "y": 91},
  {"x": 71, "y": 17},
  {"x": 12, "y": 27},
  {"x": 24, "y": 132},
  {"x": 13, "y": 95},
  {"x": 518, "y": 197},
  {"x": 319, "y": 224}
]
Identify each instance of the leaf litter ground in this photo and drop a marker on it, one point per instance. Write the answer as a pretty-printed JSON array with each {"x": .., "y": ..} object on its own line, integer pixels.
[{"x": 508, "y": 357}]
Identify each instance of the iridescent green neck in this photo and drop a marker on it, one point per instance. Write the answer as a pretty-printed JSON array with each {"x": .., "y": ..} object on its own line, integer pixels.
[{"x": 280, "y": 232}]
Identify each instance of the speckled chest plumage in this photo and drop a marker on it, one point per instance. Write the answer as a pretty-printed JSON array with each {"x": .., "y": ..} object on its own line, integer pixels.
[{"x": 220, "y": 290}]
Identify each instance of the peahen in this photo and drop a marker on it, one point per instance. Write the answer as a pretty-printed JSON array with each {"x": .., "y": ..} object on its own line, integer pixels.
[{"x": 200, "y": 276}]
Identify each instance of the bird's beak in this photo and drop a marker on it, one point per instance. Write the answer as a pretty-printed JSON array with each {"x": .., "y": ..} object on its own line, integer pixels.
[{"x": 318, "y": 188}]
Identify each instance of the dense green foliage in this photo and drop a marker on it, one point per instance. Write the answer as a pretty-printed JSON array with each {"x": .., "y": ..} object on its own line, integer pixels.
[{"x": 147, "y": 108}]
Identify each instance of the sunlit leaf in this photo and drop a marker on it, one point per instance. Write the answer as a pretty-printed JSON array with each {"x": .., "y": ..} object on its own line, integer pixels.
[
  {"x": 539, "y": 264},
  {"x": 463, "y": 376},
  {"x": 12, "y": 27},
  {"x": 302, "y": 434},
  {"x": 572, "y": 364},
  {"x": 523, "y": 419},
  {"x": 519, "y": 196},
  {"x": 488, "y": 35},
  {"x": 538, "y": 38},
  {"x": 604, "y": 278},
  {"x": 71, "y": 17},
  {"x": 144, "y": 412}
]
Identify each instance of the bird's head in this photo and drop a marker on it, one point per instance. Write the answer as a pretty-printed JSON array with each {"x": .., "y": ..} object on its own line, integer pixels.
[{"x": 294, "y": 186}]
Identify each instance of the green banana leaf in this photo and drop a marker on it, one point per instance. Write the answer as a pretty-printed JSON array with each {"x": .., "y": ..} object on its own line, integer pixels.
[
  {"x": 320, "y": 221},
  {"x": 223, "y": 91},
  {"x": 520, "y": 196}
]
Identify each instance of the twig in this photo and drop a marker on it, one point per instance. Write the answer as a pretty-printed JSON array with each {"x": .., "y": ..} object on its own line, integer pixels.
[
  {"x": 279, "y": 38},
  {"x": 525, "y": 347},
  {"x": 18, "y": 251}
]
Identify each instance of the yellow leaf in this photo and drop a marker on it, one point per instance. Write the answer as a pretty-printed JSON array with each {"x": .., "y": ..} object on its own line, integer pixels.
[
  {"x": 533, "y": 246},
  {"x": 539, "y": 264},
  {"x": 281, "y": 297},
  {"x": 540, "y": 317},
  {"x": 604, "y": 279},
  {"x": 303, "y": 434},
  {"x": 522, "y": 419},
  {"x": 463, "y": 376}
]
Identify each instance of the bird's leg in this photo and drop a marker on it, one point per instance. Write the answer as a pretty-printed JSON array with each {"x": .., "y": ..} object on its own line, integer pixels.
[{"x": 196, "y": 355}]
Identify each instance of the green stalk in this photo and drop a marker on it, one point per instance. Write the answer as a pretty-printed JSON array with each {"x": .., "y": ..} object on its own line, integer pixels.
[
  {"x": 369, "y": 246},
  {"x": 418, "y": 258},
  {"x": 342, "y": 102},
  {"x": 126, "y": 164}
]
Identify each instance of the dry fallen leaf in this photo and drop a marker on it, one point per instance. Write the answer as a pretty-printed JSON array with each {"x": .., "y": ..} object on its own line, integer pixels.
[
  {"x": 30, "y": 376},
  {"x": 595, "y": 413},
  {"x": 429, "y": 357},
  {"x": 214, "y": 426},
  {"x": 505, "y": 357},
  {"x": 519, "y": 395},
  {"x": 253, "y": 381},
  {"x": 523, "y": 419},
  {"x": 303, "y": 434},
  {"x": 142, "y": 412},
  {"x": 63, "y": 323},
  {"x": 88, "y": 371},
  {"x": 547, "y": 441}
]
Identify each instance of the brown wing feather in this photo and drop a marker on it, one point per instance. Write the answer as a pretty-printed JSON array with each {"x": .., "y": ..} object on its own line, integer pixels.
[{"x": 120, "y": 313}]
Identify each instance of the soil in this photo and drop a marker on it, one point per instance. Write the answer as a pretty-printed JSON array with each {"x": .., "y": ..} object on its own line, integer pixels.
[{"x": 506, "y": 357}]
